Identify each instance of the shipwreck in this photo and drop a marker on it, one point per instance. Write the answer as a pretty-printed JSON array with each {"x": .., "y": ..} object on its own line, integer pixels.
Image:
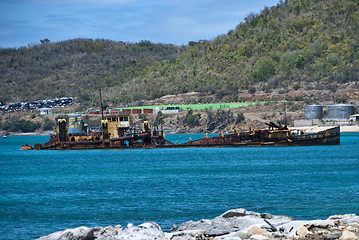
[{"x": 115, "y": 132}]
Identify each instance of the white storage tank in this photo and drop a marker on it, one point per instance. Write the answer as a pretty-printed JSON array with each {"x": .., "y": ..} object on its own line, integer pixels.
[
  {"x": 340, "y": 111},
  {"x": 313, "y": 111}
]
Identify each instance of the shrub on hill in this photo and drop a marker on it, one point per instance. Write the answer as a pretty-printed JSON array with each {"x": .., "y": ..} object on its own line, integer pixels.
[{"x": 20, "y": 125}]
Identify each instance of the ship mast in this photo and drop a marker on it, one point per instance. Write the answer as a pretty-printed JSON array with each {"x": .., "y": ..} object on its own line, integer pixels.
[
  {"x": 285, "y": 113},
  {"x": 101, "y": 105},
  {"x": 102, "y": 132}
]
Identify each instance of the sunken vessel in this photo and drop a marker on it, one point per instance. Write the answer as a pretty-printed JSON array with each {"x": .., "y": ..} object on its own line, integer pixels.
[{"x": 115, "y": 132}]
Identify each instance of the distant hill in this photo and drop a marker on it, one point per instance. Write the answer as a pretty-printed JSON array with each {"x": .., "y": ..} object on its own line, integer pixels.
[
  {"x": 75, "y": 68},
  {"x": 298, "y": 45}
]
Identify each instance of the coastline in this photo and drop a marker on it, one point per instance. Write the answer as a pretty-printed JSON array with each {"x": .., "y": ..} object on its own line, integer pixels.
[
  {"x": 349, "y": 129},
  {"x": 235, "y": 224},
  {"x": 42, "y": 133}
]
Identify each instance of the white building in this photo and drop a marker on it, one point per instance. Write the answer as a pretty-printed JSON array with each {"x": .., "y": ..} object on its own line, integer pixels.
[
  {"x": 354, "y": 118},
  {"x": 45, "y": 111}
]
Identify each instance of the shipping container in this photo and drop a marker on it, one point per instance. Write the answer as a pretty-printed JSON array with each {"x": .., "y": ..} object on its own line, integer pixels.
[
  {"x": 94, "y": 112},
  {"x": 147, "y": 111},
  {"x": 136, "y": 111}
]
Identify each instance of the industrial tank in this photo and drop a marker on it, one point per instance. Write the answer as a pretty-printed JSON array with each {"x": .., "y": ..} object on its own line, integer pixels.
[
  {"x": 313, "y": 111},
  {"x": 340, "y": 111}
]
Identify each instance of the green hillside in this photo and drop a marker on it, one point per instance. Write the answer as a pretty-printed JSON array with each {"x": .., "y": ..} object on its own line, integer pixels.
[
  {"x": 75, "y": 68},
  {"x": 297, "y": 45}
]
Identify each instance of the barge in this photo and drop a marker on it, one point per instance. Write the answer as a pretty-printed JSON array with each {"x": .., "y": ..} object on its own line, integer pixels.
[{"x": 116, "y": 133}]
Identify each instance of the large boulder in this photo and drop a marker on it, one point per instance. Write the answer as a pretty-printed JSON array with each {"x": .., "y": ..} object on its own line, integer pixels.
[
  {"x": 107, "y": 233},
  {"x": 185, "y": 235},
  {"x": 345, "y": 219},
  {"x": 348, "y": 235},
  {"x": 240, "y": 212},
  {"x": 145, "y": 231},
  {"x": 235, "y": 220},
  {"x": 80, "y": 233},
  {"x": 214, "y": 227}
]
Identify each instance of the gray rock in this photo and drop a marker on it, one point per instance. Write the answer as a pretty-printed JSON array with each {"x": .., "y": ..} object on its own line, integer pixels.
[
  {"x": 348, "y": 235},
  {"x": 145, "y": 231},
  {"x": 80, "y": 233},
  {"x": 292, "y": 227},
  {"x": 107, "y": 233},
  {"x": 215, "y": 227},
  {"x": 257, "y": 230},
  {"x": 246, "y": 222},
  {"x": 350, "y": 219},
  {"x": 240, "y": 212},
  {"x": 266, "y": 215},
  {"x": 234, "y": 221},
  {"x": 233, "y": 236},
  {"x": 331, "y": 236},
  {"x": 185, "y": 235}
]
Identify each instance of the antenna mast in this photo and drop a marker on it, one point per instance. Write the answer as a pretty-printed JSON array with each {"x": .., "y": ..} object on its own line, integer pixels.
[
  {"x": 101, "y": 105},
  {"x": 285, "y": 113}
]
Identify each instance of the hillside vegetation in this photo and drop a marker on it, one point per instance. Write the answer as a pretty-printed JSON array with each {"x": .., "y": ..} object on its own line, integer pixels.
[
  {"x": 75, "y": 68},
  {"x": 297, "y": 45},
  {"x": 308, "y": 44}
]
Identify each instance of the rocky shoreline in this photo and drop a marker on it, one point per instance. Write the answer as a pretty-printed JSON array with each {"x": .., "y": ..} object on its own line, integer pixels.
[{"x": 235, "y": 224}]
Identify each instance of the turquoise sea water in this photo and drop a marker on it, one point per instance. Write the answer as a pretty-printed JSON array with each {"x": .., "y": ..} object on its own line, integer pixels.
[{"x": 46, "y": 191}]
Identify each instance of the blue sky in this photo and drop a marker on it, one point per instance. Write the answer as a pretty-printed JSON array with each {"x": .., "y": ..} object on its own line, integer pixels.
[{"x": 24, "y": 22}]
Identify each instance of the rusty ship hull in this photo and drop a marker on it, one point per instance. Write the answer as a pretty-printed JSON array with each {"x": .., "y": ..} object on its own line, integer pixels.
[
  {"x": 290, "y": 137},
  {"x": 156, "y": 139}
]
